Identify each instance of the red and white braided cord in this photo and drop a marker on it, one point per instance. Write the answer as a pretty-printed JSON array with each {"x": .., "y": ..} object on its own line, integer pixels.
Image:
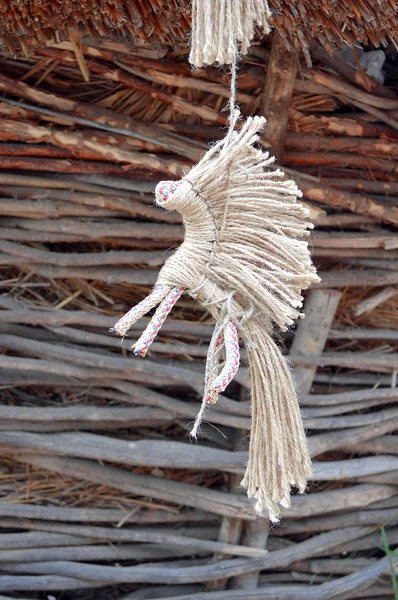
[
  {"x": 212, "y": 362},
  {"x": 223, "y": 336},
  {"x": 140, "y": 309},
  {"x": 141, "y": 346},
  {"x": 231, "y": 365}
]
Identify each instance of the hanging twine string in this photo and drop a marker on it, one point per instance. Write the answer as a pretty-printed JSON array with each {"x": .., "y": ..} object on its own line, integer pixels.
[{"x": 221, "y": 29}]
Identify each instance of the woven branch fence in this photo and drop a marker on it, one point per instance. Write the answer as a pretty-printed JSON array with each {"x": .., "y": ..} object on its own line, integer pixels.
[{"x": 102, "y": 495}]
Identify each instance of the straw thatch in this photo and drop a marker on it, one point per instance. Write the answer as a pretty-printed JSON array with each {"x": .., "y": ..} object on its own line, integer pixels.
[{"x": 160, "y": 22}]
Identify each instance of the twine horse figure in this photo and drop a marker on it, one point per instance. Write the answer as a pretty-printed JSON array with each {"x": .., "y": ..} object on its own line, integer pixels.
[{"x": 245, "y": 259}]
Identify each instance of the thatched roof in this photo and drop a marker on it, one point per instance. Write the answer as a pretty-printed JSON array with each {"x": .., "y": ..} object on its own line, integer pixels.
[{"x": 27, "y": 23}]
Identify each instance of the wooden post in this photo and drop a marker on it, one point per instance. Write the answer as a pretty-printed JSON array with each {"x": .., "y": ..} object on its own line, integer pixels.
[
  {"x": 281, "y": 74},
  {"x": 312, "y": 333},
  {"x": 231, "y": 528}
]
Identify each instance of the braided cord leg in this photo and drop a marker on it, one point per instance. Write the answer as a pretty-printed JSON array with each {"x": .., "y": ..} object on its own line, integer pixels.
[
  {"x": 231, "y": 360},
  {"x": 140, "y": 309},
  {"x": 141, "y": 346},
  {"x": 212, "y": 362}
]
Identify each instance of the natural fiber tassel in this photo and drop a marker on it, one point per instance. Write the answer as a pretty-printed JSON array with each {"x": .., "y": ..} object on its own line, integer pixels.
[
  {"x": 245, "y": 258},
  {"x": 221, "y": 28},
  {"x": 278, "y": 456}
]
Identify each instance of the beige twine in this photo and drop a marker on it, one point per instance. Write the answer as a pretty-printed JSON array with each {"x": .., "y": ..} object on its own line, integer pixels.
[
  {"x": 220, "y": 28},
  {"x": 248, "y": 264}
]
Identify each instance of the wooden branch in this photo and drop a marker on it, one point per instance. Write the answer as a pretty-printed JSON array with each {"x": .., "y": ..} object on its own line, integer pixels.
[
  {"x": 356, "y": 278},
  {"x": 371, "y": 263},
  {"x": 354, "y": 379},
  {"x": 26, "y": 235},
  {"x": 91, "y": 417},
  {"x": 357, "y": 253},
  {"x": 386, "y": 443},
  {"x": 358, "y": 145},
  {"x": 352, "y": 240},
  {"x": 141, "y": 535},
  {"x": 102, "y": 360},
  {"x": 354, "y": 127},
  {"x": 57, "y": 318},
  {"x": 249, "y": 77},
  {"x": 171, "y": 454},
  {"x": 349, "y": 421},
  {"x": 95, "y": 116},
  {"x": 132, "y": 205},
  {"x": 171, "y": 349},
  {"x": 67, "y": 370},
  {"x": 131, "y": 394},
  {"x": 98, "y": 447},
  {"x": 94, "y": 361},
  {"x": 210, "y": 500},
  {"x": 43, "y": 539},
  {"x": 373, "y": 541},
  {"x": 45, "y": 582},
  {"x": 175, "y": 492},
  {"x": 28, "y": 255},
  {"x": 310, "y": 339},
  {"x": 280, "y": 78},
  {"x": 363, "y": 205},
  {"x": 58, "y": 165},
  {"x": 330, "y": 522},
  {"x": 106, "y": 552},
  {"x": 356, "y": 76},
  {"x": 368, "y": 187},
  {"x": 92, "y": 229},
  {"x": 339, "y": 159},
  {"x": 45, "y": 209},
  {"x": 353, "y": 360},
  {"x": 375, "y": 112},
  {"x": 15, "y": 113},
  {"x": 97, "y": 151},
  {"x": 178, "y": 104},
  {"x": 352, "y": 92},
  {"x": 108, "y": 274},
  {"x": 347, "y": 439},
  {"x": 75, "y": 39},
  {"x": 172, "y": 79},
  {"x": 390, "y": 394},
  {"x": 159, "y": 591},
  {"x": 54, "y": 183},
  {"x": 153, "y": 573},
  {"x": 370, "y": 303},
  {"x": 22, "y": 512},
  {"x": 43, "y": 151}
]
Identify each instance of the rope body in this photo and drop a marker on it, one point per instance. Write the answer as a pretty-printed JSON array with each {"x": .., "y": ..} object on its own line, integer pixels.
[{"x": 245, "y": 259}]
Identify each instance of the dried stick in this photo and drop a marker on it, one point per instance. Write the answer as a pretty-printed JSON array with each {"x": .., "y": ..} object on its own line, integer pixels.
[
  {"x": 22, "y": 512},
  {"x": 162, "y": 454},
  {"x": 368, "y": 304},
  {"x": 347, "y": 201},
  {"x": 310, "y": 339},
  {"x": 98, "y": 151},
  {"x": 153, "y": 573}
]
